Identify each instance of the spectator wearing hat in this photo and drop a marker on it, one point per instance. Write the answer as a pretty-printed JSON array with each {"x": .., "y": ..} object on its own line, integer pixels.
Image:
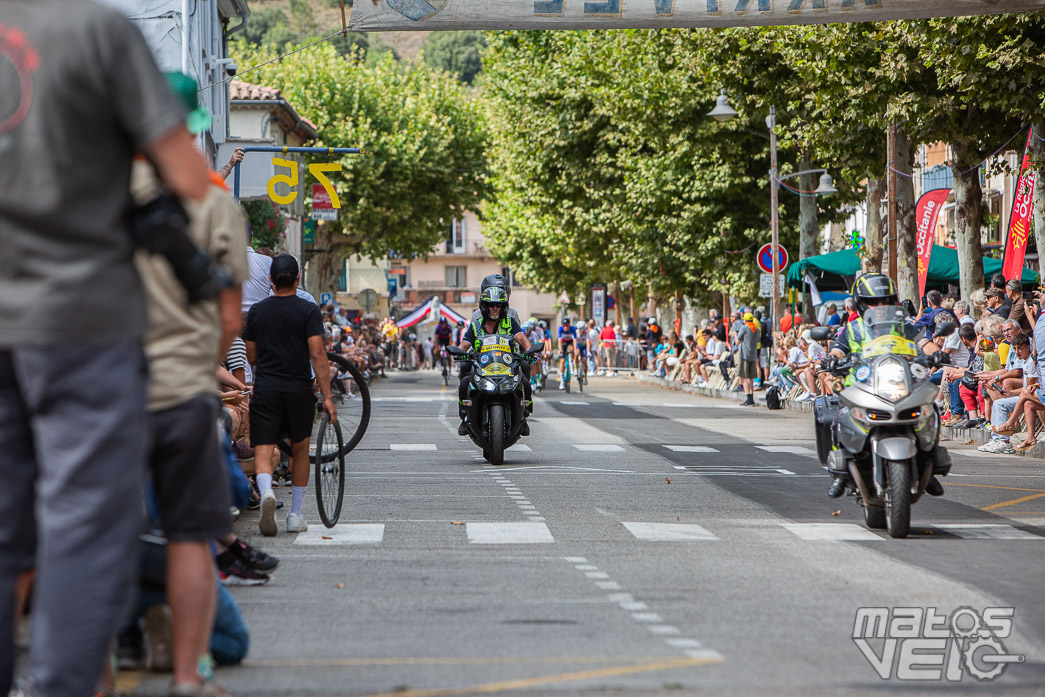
[
  {"x": 833, "y": 318},
  {"x": 747, "y": 356},
  {"x": 997, "y": 303}
]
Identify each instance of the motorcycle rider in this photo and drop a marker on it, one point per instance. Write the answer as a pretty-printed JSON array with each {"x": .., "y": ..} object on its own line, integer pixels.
[
  {"x": 499, "y": 281},
  {"x": 494, "y": 318},
  {"x": 873, "y": 290}
]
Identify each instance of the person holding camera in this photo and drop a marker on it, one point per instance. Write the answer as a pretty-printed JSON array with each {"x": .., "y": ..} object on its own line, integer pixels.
[
  {"x": 72, "y": 411},
  {"x": 184, "y": 342}
]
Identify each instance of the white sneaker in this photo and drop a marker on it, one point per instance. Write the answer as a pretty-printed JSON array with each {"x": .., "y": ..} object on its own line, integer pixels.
[
  {"x": 267, "y": 522},
  {"x": 997, "y": 446},
  {"x": 562, "y": 384},
  {"x": 296, "y": 523}
]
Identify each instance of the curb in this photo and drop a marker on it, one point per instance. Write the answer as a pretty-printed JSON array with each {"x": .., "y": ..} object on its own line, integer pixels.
[{"x": 961, "y": 435}]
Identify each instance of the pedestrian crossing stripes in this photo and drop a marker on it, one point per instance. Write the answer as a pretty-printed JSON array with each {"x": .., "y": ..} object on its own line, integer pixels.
[
  {"x": 598, "y": 448},
  {"x": 736, "y": 470},
  {"x": 691, "y": 448},
  {"x": 787, "y": 449},
  {"x": 428, "y": 447},
  {"x": 536, "y": 531}
]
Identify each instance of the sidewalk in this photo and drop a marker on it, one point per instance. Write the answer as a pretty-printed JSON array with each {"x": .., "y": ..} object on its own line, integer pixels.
[{"x": 978, "y": 436}]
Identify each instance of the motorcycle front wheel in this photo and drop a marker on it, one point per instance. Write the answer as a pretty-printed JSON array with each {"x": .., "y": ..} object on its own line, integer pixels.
[
  {"x": 496, "y": 434},
  {"x": 898, "y": 498}
]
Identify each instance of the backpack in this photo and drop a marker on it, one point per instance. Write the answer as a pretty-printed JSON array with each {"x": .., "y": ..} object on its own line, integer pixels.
[{"x": 773, "y": 398}]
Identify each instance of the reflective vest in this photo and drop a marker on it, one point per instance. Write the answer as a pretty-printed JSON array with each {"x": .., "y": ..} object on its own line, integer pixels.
[
  {"x": 856, "y": 335},
  {"x": 503, "y": 327}
]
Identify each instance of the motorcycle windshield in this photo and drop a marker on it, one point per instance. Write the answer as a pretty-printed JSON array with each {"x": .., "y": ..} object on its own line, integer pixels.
[
  {"x": 495, "y": 356},
  {"x": 887, "y": 332}
]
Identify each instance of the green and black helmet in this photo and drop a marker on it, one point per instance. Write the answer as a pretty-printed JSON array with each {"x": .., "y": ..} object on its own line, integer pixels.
[
  {"x": 493, "y": 296},
  {"x": 874, "y": 289}
]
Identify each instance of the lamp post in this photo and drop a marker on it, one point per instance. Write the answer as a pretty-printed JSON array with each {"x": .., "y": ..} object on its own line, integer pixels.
[{"x": 724, "y": 112}]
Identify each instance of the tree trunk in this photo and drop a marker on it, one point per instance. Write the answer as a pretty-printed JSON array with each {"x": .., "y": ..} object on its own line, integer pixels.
[
  {"x": 872, "y": 261},
  {"x": 906, "y": 228},
  {"x": 968, "y": 205},
  {"x": 325, "y": 268},
  {"x": 1037, "y": 158}
]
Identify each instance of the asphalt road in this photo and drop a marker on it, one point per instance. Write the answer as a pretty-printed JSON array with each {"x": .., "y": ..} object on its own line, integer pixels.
[{"x": 645, "y": 542}]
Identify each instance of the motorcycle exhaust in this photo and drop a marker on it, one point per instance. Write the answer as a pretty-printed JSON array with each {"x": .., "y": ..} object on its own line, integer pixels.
[{"x": 860, "y": 484}]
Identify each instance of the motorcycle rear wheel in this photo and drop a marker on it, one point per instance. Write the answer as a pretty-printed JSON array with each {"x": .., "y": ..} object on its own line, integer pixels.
[
  {"x": 496, "y": 434},
  {"x": 898, "y": 498}
]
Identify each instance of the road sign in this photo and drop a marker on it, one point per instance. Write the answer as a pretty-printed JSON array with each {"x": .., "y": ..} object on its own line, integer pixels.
[
  {"x": 764, "y": 258},
  {"x": 581, "y": 300},
  {"x": 325, "y": 298},
  {"x": 765, "y": 285},
  {"x": 322, "y": 206},
  {"x": 598, "y": 305},
  {"x": 393, "y": 287},
  {"x": 308, "y": 232},
  {"x": 564, "y": 298}
]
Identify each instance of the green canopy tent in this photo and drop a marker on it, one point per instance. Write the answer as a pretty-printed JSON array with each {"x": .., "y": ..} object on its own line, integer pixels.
[{"x": 835, "y": 271}]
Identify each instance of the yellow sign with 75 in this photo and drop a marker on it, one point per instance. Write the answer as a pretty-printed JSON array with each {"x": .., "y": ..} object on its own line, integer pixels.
[{"x": 318, "y": 170}]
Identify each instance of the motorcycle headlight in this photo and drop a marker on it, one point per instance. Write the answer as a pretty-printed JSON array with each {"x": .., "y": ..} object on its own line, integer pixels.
[
  {"x": 488, "y": 384},
  {"x": 890, "y": 380}
]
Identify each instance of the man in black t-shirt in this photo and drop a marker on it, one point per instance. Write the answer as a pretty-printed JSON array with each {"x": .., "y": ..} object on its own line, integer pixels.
[{"x": 284, "y": 334}]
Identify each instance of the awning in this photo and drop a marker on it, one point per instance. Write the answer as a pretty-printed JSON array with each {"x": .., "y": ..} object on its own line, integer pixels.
[
  {"x": 835, "y": 271},
  {"x": 426, "y": 309}
]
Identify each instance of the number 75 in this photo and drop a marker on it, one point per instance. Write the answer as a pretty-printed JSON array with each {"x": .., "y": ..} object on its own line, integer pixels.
[{"x": 317, "y": 170}]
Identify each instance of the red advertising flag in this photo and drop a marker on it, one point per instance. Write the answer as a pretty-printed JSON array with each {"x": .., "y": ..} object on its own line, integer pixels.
[
  {"x": 1020, "y": 217},
  {"x": 926, "y": 211}
]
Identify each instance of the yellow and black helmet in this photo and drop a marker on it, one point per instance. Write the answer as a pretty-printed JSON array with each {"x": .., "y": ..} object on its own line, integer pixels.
[
  {"x": 492, "y": 296},
  {"x": 874, "y": 289}
]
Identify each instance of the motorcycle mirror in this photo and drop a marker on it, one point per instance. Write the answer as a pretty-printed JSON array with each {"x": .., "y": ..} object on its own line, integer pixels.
[
  {"x": 821, "y": 333},
  {"x": 945, "y": 329}
]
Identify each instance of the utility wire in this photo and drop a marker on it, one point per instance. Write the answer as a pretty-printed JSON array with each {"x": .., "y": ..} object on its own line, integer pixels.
[{"x": 339, "y": 32}]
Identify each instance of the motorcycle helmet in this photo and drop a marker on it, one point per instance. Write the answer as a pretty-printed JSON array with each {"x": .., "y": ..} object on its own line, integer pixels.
[
  {"x": 493, "y": 296},
  {"x": 874, "y": 289},
  {"x": 496, "y": 280}
]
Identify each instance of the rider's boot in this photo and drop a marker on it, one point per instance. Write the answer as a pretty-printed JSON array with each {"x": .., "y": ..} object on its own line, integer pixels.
[
  {"x": 837, "y": 488},
  {"x": 525, "y": 430},
  {"x": 934, "y": 488},
  {"x": 462, "y": 429}
]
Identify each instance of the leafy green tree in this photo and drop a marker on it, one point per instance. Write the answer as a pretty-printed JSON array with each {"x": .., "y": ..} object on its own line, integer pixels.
[
  {"x": 423, "y": 142},
  {"x": 456, "y": 52},
  {"x": 267, "y": 223}
]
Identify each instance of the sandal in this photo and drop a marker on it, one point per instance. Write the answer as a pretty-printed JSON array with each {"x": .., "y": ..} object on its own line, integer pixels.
[
  {"x": 1025, "y": 445},
  {"x": 1003, "y": 430}
]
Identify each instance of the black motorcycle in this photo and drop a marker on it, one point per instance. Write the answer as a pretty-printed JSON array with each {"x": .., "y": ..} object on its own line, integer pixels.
[{"x": 495, "y": 394}]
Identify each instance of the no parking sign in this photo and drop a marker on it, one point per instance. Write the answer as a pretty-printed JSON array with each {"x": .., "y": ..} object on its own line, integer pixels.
[{"x": 764, "y": 258}]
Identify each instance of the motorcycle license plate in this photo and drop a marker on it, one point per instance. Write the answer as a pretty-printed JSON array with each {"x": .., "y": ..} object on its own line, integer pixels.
[{"x": 896, "y": 345}]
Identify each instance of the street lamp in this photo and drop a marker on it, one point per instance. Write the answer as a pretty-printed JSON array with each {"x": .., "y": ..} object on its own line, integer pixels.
[{"x": 724, "y": 112}]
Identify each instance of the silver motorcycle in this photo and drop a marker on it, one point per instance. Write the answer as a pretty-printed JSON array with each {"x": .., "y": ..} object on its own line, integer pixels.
[{"x": 879, "y": 435}]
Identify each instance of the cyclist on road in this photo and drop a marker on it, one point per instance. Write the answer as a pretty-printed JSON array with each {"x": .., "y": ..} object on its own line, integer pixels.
[
  {"x": 567, "y": 338},
  {"x": 443, "y": 334}
]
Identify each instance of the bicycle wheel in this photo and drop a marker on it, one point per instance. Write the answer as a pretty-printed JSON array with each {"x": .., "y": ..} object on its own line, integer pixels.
[
  {"x": 353, "y": 402},
  {"x": 330, "y": 471}
]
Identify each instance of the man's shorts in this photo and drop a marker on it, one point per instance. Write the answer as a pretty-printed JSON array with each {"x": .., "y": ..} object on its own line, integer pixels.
[
  {"x": 747, "y": 369},
  {"x": 188, "y": 474},
  {"x": 275, "y": 416},
  {"x": 763, "y": 357}
]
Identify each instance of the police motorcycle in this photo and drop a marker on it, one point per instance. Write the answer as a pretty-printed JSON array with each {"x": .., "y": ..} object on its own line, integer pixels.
[
  {"x": 496, "y": 412},
  {"x": 878, "y": 435}
]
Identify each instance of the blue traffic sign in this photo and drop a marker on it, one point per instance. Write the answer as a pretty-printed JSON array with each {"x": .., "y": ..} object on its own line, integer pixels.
[
  {"x": 325, "y": 298},
  {"x": 764, "y": 258}
]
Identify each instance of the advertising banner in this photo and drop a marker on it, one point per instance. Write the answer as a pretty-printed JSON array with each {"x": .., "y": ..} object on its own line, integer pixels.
[
  {"x": 1020, "y": 217},
  {"x": 926, "y": 213},
  {"x": 427, "y": 15}
]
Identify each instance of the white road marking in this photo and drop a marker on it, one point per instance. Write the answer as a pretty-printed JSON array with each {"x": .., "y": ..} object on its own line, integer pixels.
[
  {"x": 412, "y": 446},
  {"x": 522, "y": 448},
  {"x": 634, "y": 606},
  {"x": 528, "y": 508},
  {"x": 785, "y": 471},
  {"x": 508, "y": 533},
  {"x": 344, "y": 534},
  {"x": 789, "y": 449},
  {"x": 663, "y": 629},
  {"x": 669, "y": 532},
  {"x": 691, "y": 449},
  {"x": 599, "y": 448},
  {"x": 586, "y": 567},
  {"x": 537, "y": 518},
  {"x": 683, "y": 643},
  {"x": 626, "y": 404},
  {"x": 988, "y": 531},
  {"x": 576, "y": 404},
  {"x": 596, "y": 574},
  {"x": 705, "y": 654},
  {"x": 620, "y": 597},
  {"x": 830, "y": 531},
  {"x": 608, "y": 585},
  {"x": 576, "y": 560},
  {"x": 647, "y": 617}
]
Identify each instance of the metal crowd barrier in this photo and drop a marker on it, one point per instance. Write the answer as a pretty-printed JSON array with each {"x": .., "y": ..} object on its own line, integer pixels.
[{"x": 620, "y": 355}]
